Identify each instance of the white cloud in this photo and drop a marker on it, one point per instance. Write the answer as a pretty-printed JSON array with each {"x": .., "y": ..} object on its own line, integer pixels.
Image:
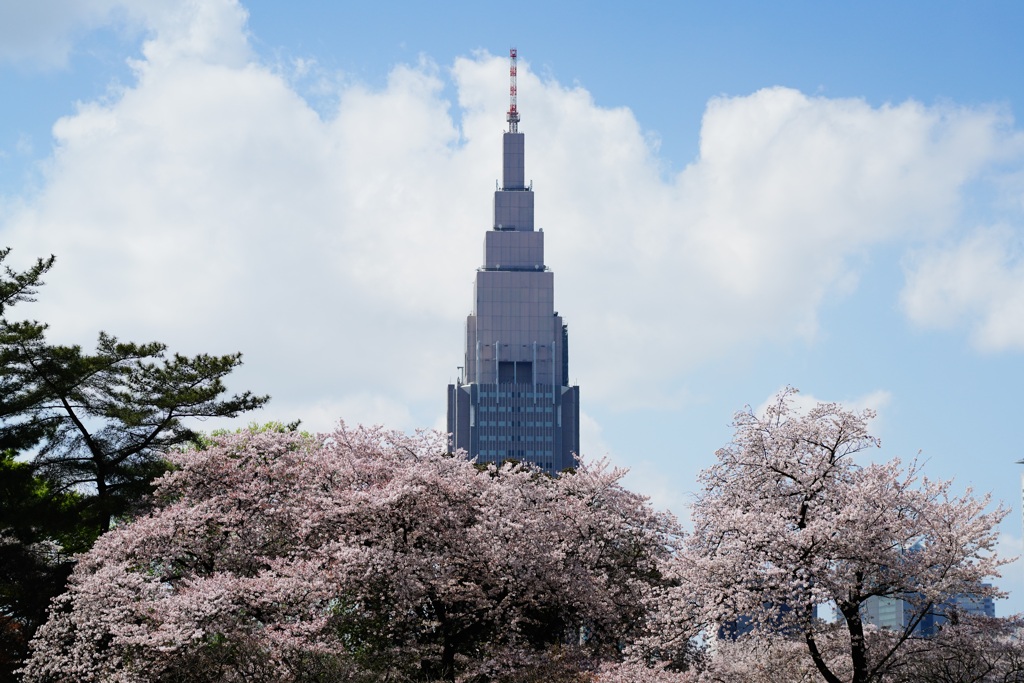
[
  {"x": 787, "y": 196},
  {"x": 43, "y": 32},
  {"x": 210, "y": 31},
  {"x": 980, "y": 279},
  {"x": 212, "y": 207},
  {"x": 647, "y": 477},
  {"x": 365, "y": 408},
  {"x": 803, "y": 402},
  {"x": 593, "y": 445},
  {"x": 644, "y": 475}
]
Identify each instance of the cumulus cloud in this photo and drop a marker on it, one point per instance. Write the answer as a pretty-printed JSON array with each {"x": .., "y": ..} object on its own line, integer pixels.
[
  {"x": 803, "y": 402},
  {"x": 209, "y": 205},
  {"x": 788, "y": 195},
  {"x": 43, "y": 32},
  {"x": 979, "y": 279}
]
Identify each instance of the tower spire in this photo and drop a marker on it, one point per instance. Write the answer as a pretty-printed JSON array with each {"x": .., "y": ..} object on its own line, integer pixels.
[{"x": 513, "y": 113}]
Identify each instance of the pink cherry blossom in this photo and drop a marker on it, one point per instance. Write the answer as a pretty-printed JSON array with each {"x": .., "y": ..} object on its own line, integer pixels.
[
  {"x": 358, "y": 555},
  {"x": 791, "y": 517}
]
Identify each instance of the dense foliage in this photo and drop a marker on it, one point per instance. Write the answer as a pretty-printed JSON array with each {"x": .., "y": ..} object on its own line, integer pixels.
[
  {"x": 789, "y": 520},
  {"x": 39, "y": 532},
  {"x": 82, "y": 436},
  {"x": 365, "y": 555},
  {"x": 102, "y": 422},
  {"x": 359, "y": 555}
]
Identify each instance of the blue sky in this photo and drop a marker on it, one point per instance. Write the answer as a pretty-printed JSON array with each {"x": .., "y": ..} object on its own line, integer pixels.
[{"x": 736, "y": 197}]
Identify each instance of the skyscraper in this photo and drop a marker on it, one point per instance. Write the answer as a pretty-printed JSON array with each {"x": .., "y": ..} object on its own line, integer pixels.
[{"x": 513, "y": 399}]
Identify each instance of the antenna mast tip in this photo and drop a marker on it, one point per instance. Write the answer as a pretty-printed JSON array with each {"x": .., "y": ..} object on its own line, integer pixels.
[{"x": 513, "y": 112}]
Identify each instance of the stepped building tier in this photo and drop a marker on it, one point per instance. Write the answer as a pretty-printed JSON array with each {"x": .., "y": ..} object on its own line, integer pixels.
[{"x": 513, "y": 400}]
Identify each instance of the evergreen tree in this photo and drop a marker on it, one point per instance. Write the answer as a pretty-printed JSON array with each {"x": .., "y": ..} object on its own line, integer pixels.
[
  {"x": 82, "y": 438},
  {"x": 39, "y": 532},
  {"x": 104, "y": 420},
  {"x": 17, "y": 287}
]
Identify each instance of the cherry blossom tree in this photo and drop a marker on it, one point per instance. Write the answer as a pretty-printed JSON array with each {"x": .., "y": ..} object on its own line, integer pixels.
[
  {"x": 359, "y": 555},
  {"x": 366, "y": 555},
  {"x": 635, "y": 671},
  {"x": 972, "y": 649},
  {"x": 788, "y": 519}
]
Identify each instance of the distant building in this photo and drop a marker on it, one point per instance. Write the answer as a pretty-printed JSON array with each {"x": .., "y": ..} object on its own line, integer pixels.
[
  {"x": 973, "y": 604},
  {"x": 513, "y": 400},
  {"x": 895, "y": 613},
  {"x": 885, "y": 612},
  {"x": 744, "y": 625}
]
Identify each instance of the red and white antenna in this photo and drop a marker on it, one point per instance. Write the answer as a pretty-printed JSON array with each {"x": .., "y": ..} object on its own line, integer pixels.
[{"x": 513, "y": 113}]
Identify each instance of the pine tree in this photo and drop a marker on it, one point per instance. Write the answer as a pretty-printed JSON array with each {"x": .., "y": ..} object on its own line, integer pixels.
[
  {"x": 104, "y": 420},
  {"x": 82, "y": 438}
]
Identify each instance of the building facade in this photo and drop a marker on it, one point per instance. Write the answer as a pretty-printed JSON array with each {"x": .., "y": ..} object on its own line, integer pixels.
[
  {"x": 513, "y": 400},
  {"x": 895, "y": 613}
]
